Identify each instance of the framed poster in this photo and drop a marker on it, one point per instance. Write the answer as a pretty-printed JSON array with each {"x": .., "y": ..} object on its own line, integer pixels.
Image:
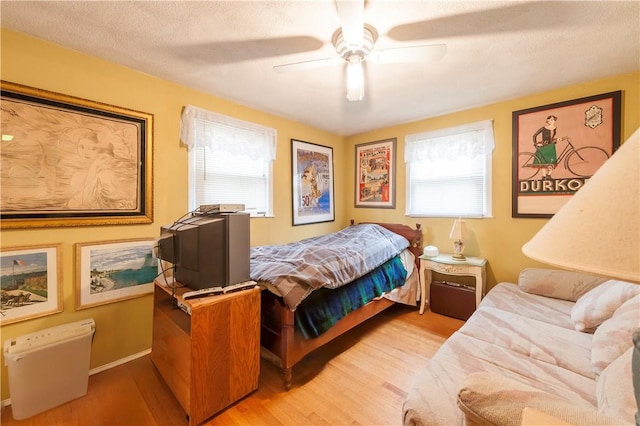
[
  {"x": 312, "y": 170},
  {"x": 31, "y": 282},
  {"x": 68, "y": 161},
  {"x": 557, "y": 148},
  {"x": 111, "y": 271},
  {"x": 375, "y": 174}
]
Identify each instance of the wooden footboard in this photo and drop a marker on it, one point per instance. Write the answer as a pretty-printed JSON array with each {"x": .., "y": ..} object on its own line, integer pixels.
[
  {"x": 279, "y": 337},
  {"x": 278, "y": 334}
]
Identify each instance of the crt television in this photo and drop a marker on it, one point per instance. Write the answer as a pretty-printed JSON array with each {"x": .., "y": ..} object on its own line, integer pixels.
[{"x": 207, "y": 250}]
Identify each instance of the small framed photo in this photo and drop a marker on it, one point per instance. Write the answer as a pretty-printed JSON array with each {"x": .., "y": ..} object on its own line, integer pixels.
[
  {"x": 111, "y": 271},
  {"x": 31, "y": 282},
  {"x": 558, "y": 147},
  {"x": 312, "y": 169},
  {"x": 375, "y": 174}
]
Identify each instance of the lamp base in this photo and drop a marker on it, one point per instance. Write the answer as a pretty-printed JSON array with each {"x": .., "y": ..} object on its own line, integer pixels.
[{"x": 458, "y": 247}]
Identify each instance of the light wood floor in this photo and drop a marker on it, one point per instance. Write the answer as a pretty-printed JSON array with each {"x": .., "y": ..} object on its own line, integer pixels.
[{"x": 361, "y": 378}]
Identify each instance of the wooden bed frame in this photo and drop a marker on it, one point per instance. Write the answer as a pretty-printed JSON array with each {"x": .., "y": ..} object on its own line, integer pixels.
[{"x": 278, "y": 334}]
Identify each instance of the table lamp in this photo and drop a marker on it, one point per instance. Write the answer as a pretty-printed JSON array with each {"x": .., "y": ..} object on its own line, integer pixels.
[
  {"x": 598, "y": 229},
  {"x": 457, "y": 234}
]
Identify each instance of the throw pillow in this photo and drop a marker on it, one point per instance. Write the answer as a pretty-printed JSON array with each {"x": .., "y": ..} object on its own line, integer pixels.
[
  {"x": 598, "y": 304},
  {"x": 492, "y": 399},
  {"x": 559, "y": 284},
  {"x": 614, "y": 389},
  {"x": 613, "y": 337}
]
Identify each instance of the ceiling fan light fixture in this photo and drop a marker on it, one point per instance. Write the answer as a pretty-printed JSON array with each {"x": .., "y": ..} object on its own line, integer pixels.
[
  {"x": 355, "y": 78},
  {"x": 369, "y": 37}
]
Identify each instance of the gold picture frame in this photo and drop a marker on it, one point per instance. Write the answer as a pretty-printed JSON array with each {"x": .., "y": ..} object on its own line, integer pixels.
[
  {"x": 31, "y": 282},
  {"x": 112, "y": 271},
  {"x": 68, "y": 161}
]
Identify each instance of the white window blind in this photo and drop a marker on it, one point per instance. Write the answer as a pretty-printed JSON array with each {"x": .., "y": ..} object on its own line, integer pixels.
[
  {"x": 230, "y": 161},
  {"x": 449, "y": 171}
]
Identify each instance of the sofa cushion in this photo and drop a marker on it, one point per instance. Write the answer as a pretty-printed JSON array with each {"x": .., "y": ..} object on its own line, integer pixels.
[
  {"x": 599, "y": 303},
  {"x": 533, "y": 339},
  {"x": 509, "y": 297},
  {"x": 613, "y": 337},
  {"x": 490, "y": 399},
  {"x": 556, "y": 283},
  {"x": 614, "y": 389},
  {"x": 432, "y": 398}
]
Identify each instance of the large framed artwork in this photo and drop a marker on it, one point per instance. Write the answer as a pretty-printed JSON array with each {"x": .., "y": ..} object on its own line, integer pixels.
[
  {"x": 375, "y": 174},
  {"x": 31, "y": 282},
  {"x": 557, "y": 148},
  {"x": 110, "y": 271},
  {"x": 312, "y": 169},
  {"x": 68, "y": 161}
]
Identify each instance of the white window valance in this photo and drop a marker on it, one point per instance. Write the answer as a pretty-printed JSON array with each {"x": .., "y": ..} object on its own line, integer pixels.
[
  {"x": 200, "y": 128},
  {"x": 466, "y": 141}
]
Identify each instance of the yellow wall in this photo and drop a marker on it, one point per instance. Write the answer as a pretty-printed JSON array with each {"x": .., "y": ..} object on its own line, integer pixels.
[
  {"x": 499, "y": 239},
  {"x": 124, "y": 328}
]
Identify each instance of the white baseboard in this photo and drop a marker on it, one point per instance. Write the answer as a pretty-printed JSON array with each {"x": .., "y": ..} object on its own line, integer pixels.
[
  {"x": 119, "y": 362},
  {"x": 93, "y": 371}
]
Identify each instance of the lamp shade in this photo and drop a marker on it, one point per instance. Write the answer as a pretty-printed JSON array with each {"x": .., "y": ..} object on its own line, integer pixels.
[
  {"x": 598, "y": 229},
  {"x": 458, "y": 230}
]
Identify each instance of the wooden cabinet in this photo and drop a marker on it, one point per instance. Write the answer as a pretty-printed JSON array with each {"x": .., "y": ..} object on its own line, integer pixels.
[{"x": 211, "y": 358}]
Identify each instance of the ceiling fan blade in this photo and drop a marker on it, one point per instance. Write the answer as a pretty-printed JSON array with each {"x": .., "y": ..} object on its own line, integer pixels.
[
  {"x": 408, "y": 54},
  {"x": 305, "y": 65},
  {"x": 351, "y": 14},
  {"x": 524, "y": 15}
]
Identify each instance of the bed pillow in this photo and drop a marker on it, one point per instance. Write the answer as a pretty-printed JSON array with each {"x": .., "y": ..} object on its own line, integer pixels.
[
  {"x": 559, "y": 284},
  {"x": 614, "y": 336},
  {"x": 599, "y": 304},
  {"x": 614, "y": 389}
]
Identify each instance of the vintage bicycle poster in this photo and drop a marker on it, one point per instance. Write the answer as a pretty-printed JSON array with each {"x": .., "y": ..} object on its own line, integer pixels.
[
  {"x": 312, "y": 167},
  {"x": 375, "y": 174},
  {"x": 558, "y": 147}
]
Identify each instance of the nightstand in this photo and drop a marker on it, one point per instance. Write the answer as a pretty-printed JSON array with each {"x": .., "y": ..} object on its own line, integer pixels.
[{"x": 445, "y": 264}]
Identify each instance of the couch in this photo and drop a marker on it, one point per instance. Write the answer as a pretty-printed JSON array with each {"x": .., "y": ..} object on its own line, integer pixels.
[{"x": 559, "y": 342}]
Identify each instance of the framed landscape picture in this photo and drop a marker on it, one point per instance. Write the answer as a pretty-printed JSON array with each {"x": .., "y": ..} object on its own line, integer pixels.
[
  {"x": 557, "y": 148},
  {"x": 68, "y": 161},
  {"x": 31, "y": 282},
  {"x": 312, "y": 170},
  {"x": 375, "y": 174},
  {"x": 111, "y": 271}
]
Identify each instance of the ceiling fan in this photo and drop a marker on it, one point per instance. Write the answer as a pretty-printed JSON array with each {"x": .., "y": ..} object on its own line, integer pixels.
[{"x": 355, "y": 41}]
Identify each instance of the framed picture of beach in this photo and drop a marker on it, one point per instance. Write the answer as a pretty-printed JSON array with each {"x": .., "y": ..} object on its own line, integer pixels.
[
  {"x": 31, "y": 282},
  {"x": 111, "y": 271}
]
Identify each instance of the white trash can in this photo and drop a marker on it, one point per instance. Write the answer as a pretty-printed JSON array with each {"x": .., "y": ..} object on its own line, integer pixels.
[{"x": 49, "y": 367}]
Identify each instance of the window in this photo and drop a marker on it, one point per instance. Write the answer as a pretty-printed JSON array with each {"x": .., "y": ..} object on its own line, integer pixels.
[
  {"x": 230, "y": 161},
  {"x": 449, "y": 171}
]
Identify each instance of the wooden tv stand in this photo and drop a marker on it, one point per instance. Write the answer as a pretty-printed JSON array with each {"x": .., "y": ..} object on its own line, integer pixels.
[{"x": 211, "y": 358}]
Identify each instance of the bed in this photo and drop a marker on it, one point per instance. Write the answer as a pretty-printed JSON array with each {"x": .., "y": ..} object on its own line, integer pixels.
[{"x": 289, "y": 299}]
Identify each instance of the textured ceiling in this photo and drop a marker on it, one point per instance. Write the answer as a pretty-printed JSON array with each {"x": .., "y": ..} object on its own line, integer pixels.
[{"x": 495, "y": 50}]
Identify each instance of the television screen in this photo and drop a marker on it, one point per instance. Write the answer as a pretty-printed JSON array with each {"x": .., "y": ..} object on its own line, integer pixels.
[{"x": 207, "y": 250}]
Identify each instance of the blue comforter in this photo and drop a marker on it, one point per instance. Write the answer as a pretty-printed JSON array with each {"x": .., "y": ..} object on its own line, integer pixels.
[
  {"x": 327, "y": 261},
  {"x": 325, "y": 307}
]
